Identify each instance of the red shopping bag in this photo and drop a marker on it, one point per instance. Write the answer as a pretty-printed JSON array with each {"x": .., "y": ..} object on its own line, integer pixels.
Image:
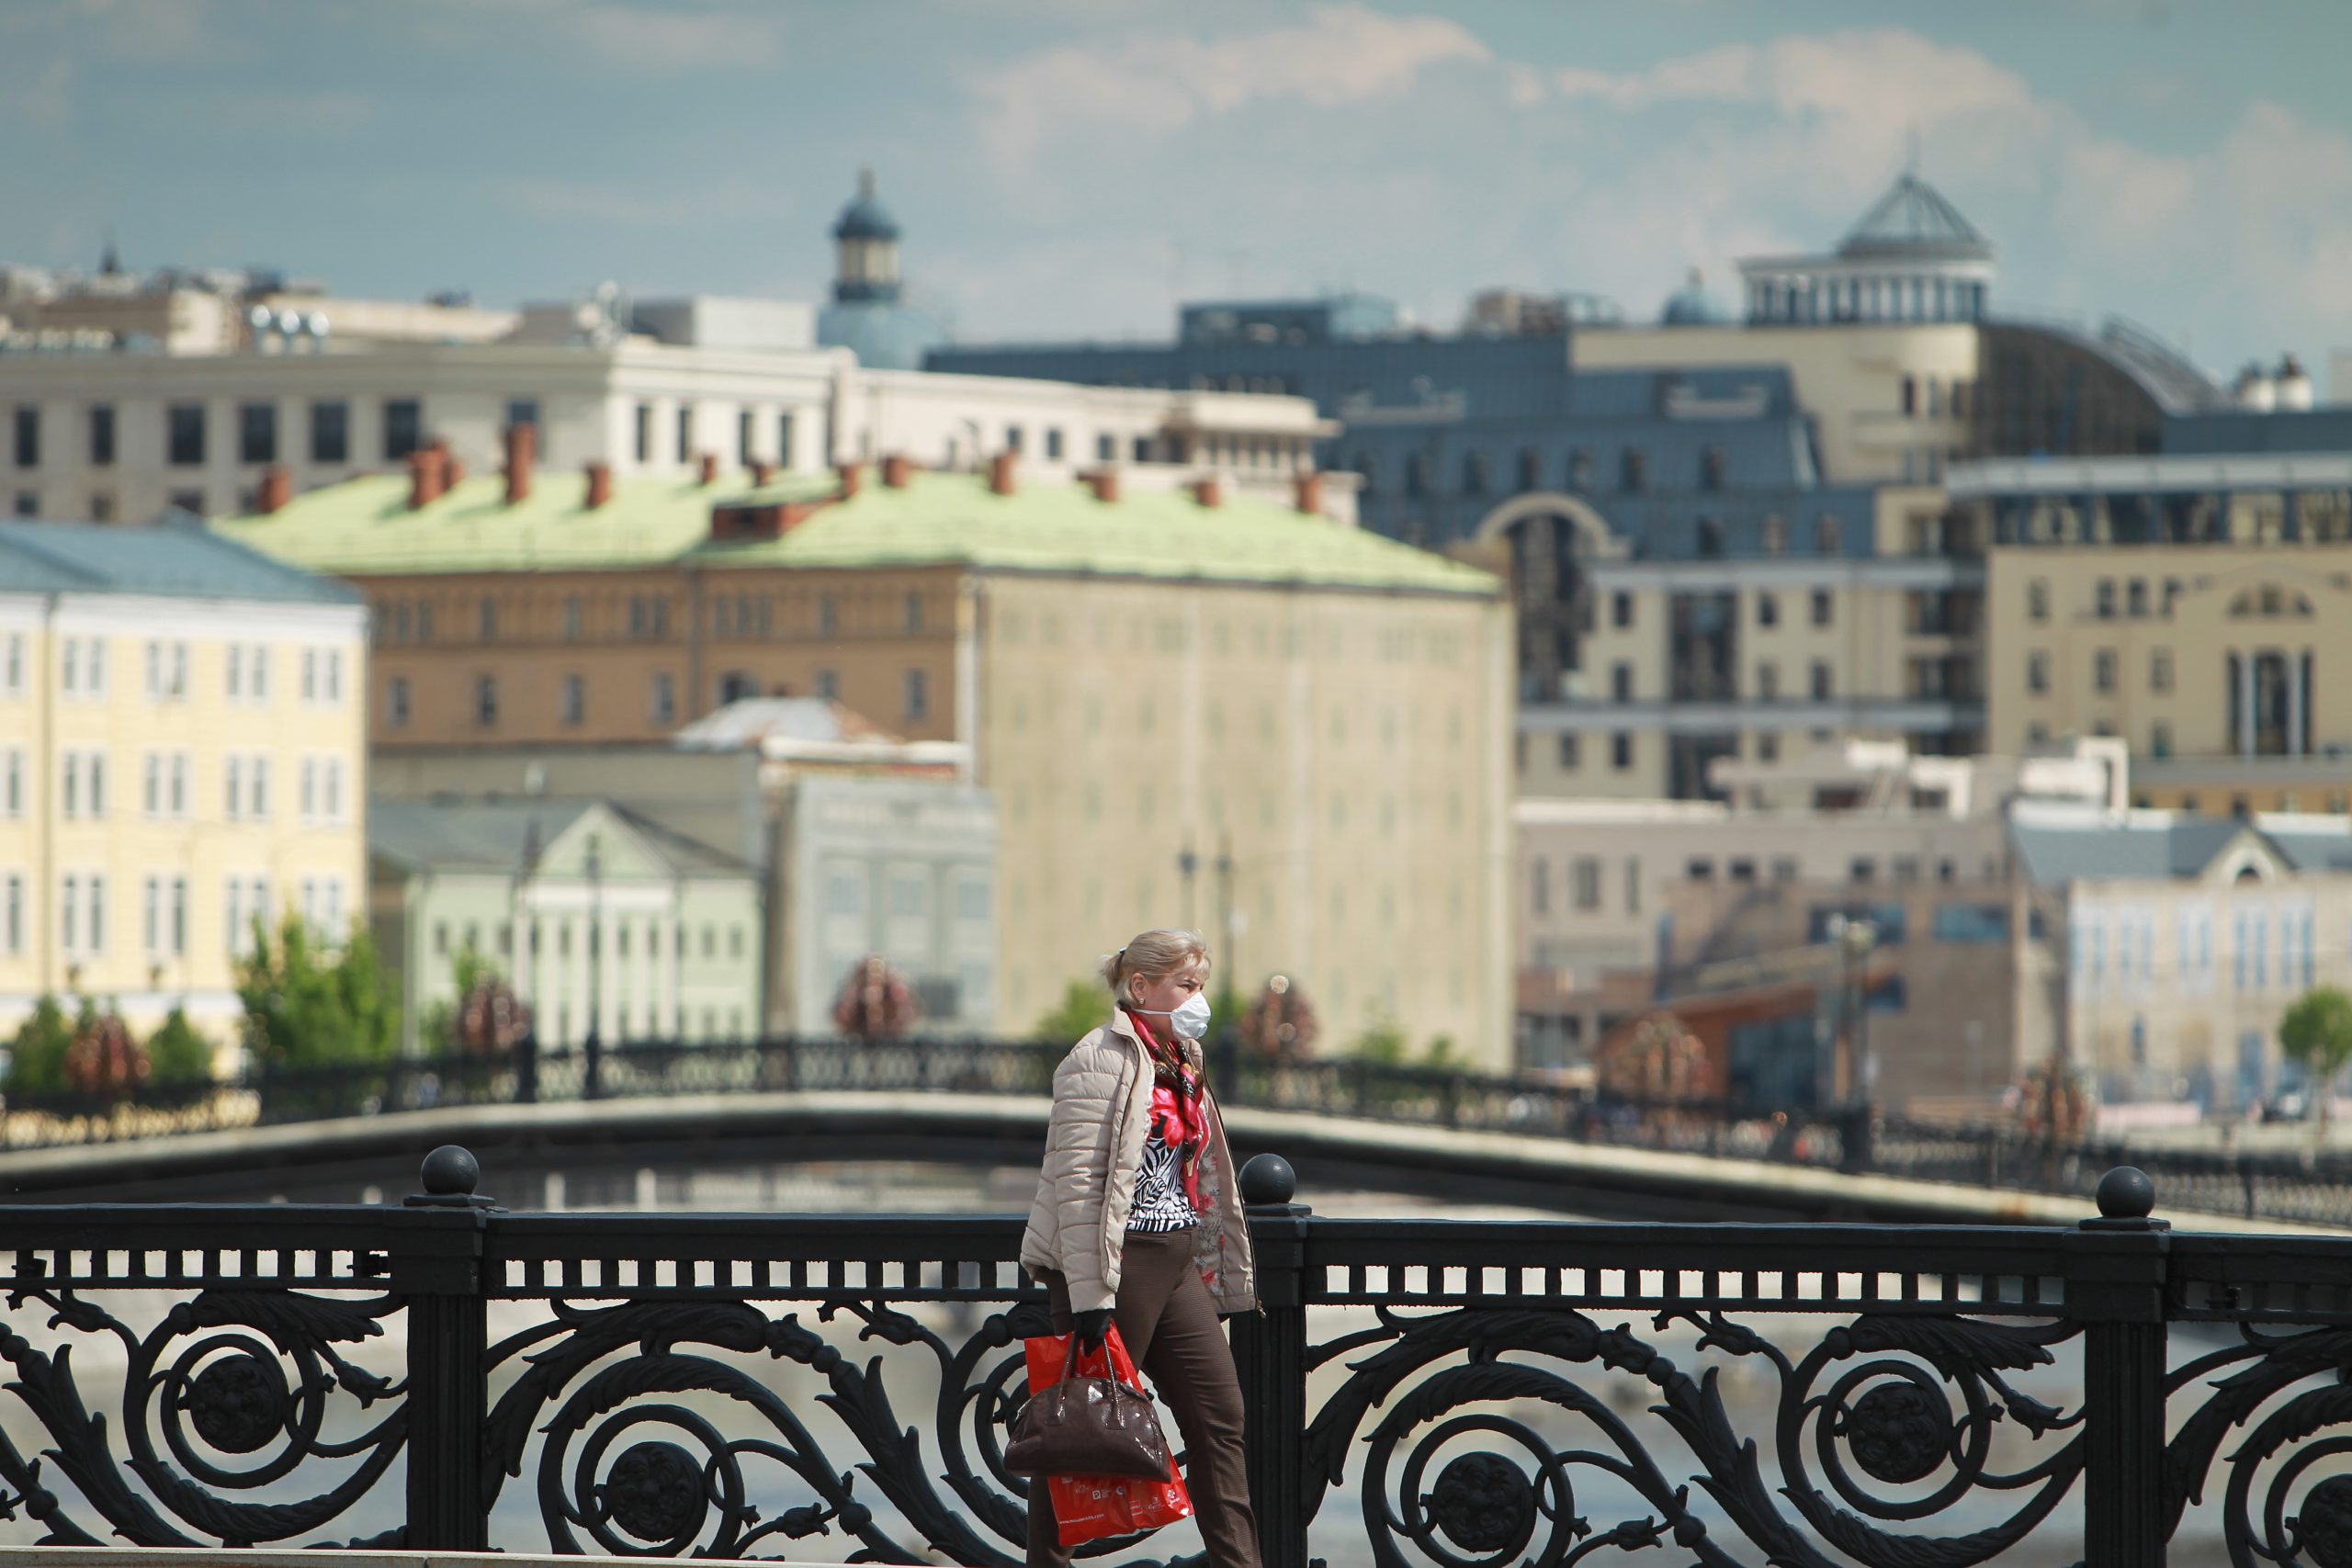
[{"x": 1091, "y": 1508}]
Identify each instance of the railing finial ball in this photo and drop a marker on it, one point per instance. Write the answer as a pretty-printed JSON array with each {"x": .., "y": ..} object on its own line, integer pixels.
[
  {"x": 450, "y": 1170},
  {"x": 2126, "y": 1193},
  {"x": 1268, "y": 1178}
]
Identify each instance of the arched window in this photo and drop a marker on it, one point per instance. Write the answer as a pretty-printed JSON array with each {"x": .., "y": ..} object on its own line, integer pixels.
[
  {"x": 1711, "y": 463},
  {"x": 1711, "y": 538},
  {"x": 1531, "y": 469},
  {"x": 1826, "y": 539},
  {"x": 1581, "y": 471},
  {"x": 1632, "y": 468}
]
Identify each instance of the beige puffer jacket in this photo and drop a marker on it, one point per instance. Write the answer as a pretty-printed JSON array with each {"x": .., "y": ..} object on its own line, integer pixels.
[{"x": 1078, "y": 1227}]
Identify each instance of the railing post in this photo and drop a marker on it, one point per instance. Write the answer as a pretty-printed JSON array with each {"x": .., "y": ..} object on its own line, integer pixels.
[
  {"x": 1270, "y": 1358},
  {"x": 526, "y": 1070},
  {"x": 2119, "y": 1293},
  {"x": 439, "y": 1275}
]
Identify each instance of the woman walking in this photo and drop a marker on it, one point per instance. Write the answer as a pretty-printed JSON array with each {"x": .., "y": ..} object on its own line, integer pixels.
[{"x": 1139, "y": 1222}]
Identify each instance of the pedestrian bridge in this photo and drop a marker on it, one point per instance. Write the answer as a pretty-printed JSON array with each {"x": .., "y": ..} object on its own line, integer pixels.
[{"x": 444, "y": 1375}]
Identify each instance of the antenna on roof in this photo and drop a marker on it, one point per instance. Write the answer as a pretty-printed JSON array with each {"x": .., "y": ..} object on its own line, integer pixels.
[
  {"x": 109, "y": 259},
  {"x": 1911, "y": 158}
]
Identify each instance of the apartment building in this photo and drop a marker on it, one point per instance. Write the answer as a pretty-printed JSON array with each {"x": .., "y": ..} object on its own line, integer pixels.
[
  {"x": 182, "y": 754},
  {"x": 1150, "y": 684}
]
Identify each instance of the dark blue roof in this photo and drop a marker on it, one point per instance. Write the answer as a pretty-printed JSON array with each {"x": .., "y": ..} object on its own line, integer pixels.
[
  {"x": 172, "y": 559},
  {"x": 2244, "y": 432},
  {"x": 866, "y": 218}
]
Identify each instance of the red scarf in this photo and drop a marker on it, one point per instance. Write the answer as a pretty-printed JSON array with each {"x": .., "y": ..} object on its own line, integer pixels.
[{"x": 1177, "y": 1112}]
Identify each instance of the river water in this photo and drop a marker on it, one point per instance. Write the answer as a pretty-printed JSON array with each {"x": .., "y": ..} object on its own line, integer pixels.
[{"x": 1602, "y": 1497}]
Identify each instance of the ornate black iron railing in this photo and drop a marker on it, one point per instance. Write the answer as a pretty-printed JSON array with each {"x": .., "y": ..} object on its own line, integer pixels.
[
  {"x": 1421, "y": 1395},
  {"x": 2307, "y": 1187}
]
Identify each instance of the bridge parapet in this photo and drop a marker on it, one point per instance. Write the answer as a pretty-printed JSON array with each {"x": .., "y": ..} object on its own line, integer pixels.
[{"x": 446, "y": 1375}]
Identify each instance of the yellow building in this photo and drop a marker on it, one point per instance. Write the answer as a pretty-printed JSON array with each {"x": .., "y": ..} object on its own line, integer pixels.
[
  {"x": 2194, "y": 607},
  {"x": 1315, "y": 720},
  {"x": 181, "y": 752}
]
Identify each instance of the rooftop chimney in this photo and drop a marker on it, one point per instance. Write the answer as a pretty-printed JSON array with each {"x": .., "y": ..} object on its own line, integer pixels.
[
  {"x": 853, "y": 477},
  {"x": 521, "y": 450},
  {"x": 425, "y": 476},
  {"x": 600, "y": 485},
  {"x": 1209, "y": 490},
  {"x": 1000, "y": 473},
  {"x": 1105, "y": 484},
  {"x": 1306, "y": 492},
  {"x": 453, "y": 471},
  {"x": 762, "y": 474},
  {"x": 276, "y": 490},
  {"x": 896, "y": 468},
  {"x": 709, "y": 468}
]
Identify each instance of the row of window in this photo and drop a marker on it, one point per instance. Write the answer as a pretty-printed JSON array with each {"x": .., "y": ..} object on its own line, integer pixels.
[
  {"x": 1820, "y": 604},
  {"x": 2132, "y": 597},
  {"x": 686, "y": 449},
  {"x": 2118, "y": 949},
  {"x": 1478, "y": 472},
  {"x": 662, "y": 705},
  {"x": 166, "y": 793},
  {"x": 737, "y": 616},
  {"x": 1965, "y": 924},
  {"x": 84, "y": 928},
  {"x": 187, "y": 432},
  {"x": 627, "y": 936},
  {"x": 82, "y": 669},
  {"x": 2105, "y": 667}
]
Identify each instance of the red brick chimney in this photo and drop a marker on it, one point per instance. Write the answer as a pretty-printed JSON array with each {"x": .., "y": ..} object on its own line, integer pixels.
[
  {"x": 600, "y": 485},
  {"x": 1105, "y": 484},
  {"x": 709, "y": 466},
  {"x": 1306, "y": 492},
  {"x": 276, "y": 490},
  {"x": 424, "y": 477},
  {"x": 853, "y": 478},
  {"x": 1209, "y": 490},
  {"x": 522, "y": 451},
  {"x": 1001, "y": 479},
  {"x": 453, "y": 471},
  {"x": 762, "y": 473},
  {"x": 896, "y": 468}
]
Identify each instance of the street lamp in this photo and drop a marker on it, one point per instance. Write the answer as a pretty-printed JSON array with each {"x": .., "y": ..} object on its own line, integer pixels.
[
  {"x": 594, "y": 1043},
  {"x": 1855, "y": 938}
]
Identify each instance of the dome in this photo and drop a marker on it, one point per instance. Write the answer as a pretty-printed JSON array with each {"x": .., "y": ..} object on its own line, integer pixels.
[
  {"x": 1914, "y": 222},
  {"x": 866, "y": 218},
  {"x": 1692, "y": 306}
]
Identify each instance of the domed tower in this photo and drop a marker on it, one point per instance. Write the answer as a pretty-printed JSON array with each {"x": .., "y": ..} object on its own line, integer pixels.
[
  {"x": 869, "y": 314},
  {"x": 1692, "y": 306},
  {"x": 865, "y": 249}
]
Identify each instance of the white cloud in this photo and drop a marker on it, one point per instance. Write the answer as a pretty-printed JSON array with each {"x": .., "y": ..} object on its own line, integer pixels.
[
  {"x": 1344, "y": 53},
  {"x": 677, "y": 38}
]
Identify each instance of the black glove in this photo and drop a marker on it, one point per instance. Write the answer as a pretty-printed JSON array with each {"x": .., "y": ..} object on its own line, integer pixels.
[{"x": 1091, "y": 1328}]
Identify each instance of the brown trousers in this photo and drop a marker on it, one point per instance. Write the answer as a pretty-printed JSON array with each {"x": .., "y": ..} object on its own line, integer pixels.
[{"x": 1168, "y": 1320}]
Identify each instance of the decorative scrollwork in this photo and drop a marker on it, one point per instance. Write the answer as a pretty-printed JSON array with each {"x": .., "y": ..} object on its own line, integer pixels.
[
  {"x": 2304, "y": 1511},
  {"x": 225, "y": 1375},
  {"x": 1871, "y": 1392}
]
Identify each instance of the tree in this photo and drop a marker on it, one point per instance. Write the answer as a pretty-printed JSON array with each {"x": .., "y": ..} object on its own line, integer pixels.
[
  {"x": 1280, "y": 1025},
  {"x": 103, "y": 1061},
  {"x": 37, "y": 1055},
  {"x": 1084, "y": 1005},
  {"x": 177, "y": 1054},
  {"x": 306, "y": 1007},
  {"x": 2316, "y": 1032},
  {"x": 484, "y": 1013}
]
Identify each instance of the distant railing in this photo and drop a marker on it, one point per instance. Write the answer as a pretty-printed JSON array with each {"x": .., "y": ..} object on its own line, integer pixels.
[
  {"x": 2312, "y": 1188},
  {"x": 445, "y": 1375}
]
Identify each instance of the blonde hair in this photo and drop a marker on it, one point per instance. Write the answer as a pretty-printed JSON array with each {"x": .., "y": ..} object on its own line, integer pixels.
[{"x": 1152, "y": 955}]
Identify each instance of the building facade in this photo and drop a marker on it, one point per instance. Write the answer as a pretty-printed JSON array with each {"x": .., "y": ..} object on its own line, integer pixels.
[
  {"x": 1144, "y": 681},
  {"x": 600, "y": 920},
  {"x": 182, "y": 755}
]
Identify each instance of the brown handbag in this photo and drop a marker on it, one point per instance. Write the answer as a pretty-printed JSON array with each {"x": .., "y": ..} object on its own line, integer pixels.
[{"x": 1088, "y": 1426}]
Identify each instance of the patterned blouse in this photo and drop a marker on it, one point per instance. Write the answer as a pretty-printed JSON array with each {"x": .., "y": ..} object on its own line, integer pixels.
[{"x": 1162, "y": 1204}]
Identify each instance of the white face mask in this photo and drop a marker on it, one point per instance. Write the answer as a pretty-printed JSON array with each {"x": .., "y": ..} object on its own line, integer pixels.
[{"x": 1191, "y": 1019}]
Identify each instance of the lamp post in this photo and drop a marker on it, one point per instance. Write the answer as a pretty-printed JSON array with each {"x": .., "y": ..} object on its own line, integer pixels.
[
  {"x": 1855, "y": 937},
  {"x": 593, "y": 1048}
]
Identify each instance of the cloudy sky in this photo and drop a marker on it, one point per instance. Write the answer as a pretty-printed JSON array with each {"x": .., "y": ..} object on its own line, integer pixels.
[{"x": 1068, "y": 167}]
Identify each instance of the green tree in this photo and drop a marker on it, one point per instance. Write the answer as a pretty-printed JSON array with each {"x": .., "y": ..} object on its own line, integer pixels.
[
  {"x": 307, "y": 1006},
  {"x": 177, "y": 1054},
  {"x": 1085, "y": 1005},
  {"x": 439, "y": 1027},
  {"x": 37, "y": 1055},
  {"x": 2317, "y": 1032},
  {"x": 1382, "y": 1044}
]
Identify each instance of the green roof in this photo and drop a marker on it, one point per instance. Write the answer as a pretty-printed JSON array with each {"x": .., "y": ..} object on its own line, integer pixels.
[{"x": 364, "y": 528}]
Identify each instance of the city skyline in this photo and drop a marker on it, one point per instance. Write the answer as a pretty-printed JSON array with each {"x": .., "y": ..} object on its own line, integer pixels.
[{"x": 1063, "y": 170}]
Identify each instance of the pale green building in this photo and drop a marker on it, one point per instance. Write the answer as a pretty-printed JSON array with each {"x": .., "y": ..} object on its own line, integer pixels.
[{"x": 592, "y": 911}]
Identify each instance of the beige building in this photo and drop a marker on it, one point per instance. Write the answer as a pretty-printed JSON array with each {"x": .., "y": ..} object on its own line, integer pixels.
[
  {"x": 1315, "y": 720},
  {"x": 182, "y": 753}
]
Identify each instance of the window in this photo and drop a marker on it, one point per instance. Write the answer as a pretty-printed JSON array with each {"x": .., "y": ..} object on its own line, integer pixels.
[
  {"x": 396, "y": 701},
  {"x": 486, "y": 700},
  {"x": 1768, "y": 609},
  {"x": 1823, "y": 612},
  {"x": 1712, "y": 466},
  {"x": 1825, "y": 536},
  {"x": 329, "y": 431},
  {"x": 662, "y": 707},
  {"x": 486, "y": 620},
  {"x": 1581, "y": 471},
  {"x": 574, "y": 615},
  {"x": 1473, "y": 473},
  {"x": 27, "y": 441},
  {"x": 1571, "y": 754},
  {"x": 828, "y": 615},
  {"x": 102, "y": 436},
  {"x": 2160, "y": 741},
  {"x": 2160, "y": 670},
  {"x": 2037, "y": 671},
  {"x": 2105, "y": 599},
  {"x": 2135, "y": 597},
  {"x": 2103, "y": 669},
  {"x": 257, "y": 433},
  {"x": 1531, "y": 469},
  {"x": 1621, "y": 751},
  {"x": 1768, "y": 747},
  {"x": 12, "y": 915},
  {"x": 685, "y": 431},
  {"x": 1767, "y": 681},
  {"x": 1583, "y": 878},
  {"x": 28, "y": 504},
  {"x": 644, "y": 432},
  {"x": 574, "y": 700},
  {"x": 827, "y": 686},
  {"x": 918, "y": 694},
  {"x": 12, "y": 781},
  {"x": 914, "y": 612},
  {"x": 1417, "y": 475},
  {"x": 1711, "y": 538},
  {"x": 1775, "y": 535},
  {"x": 1860, "y": 869},
  {"x": 1054, "y": 443},
  {"x": 743, "y": 439},
  {"x": 1822, "y": 690},
  {"x": 183, "y": 435},
  {"x": 1632, "y": 468},
  {"x": 2037, "y": 600},
  {"x": 1621, "y": 610},
  {"x": 1621, "y": 682},
  {"x": 403, "y": 428}
]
